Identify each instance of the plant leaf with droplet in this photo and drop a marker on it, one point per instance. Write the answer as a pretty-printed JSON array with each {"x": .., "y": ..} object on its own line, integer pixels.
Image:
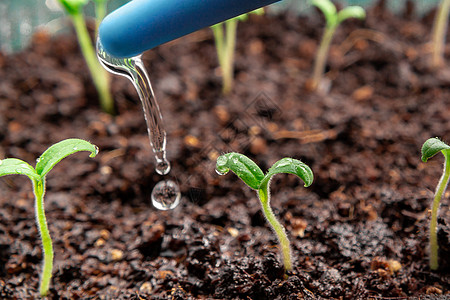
[
  {"x": 242, "y": 166},
  {"x": 14, "y": 166},
  {"x": 290, "y": 166},
  {"x": 328, "y": 9},
  {"x": 431, "y": 147},
  {"x": 60, "y": 150},
  {"x": 351, "y": 12}
]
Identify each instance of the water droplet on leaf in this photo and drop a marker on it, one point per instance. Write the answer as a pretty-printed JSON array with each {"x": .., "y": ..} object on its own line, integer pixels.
[
  {"x": 166, "y": 195},
  {"x": 220, "y": 173}
]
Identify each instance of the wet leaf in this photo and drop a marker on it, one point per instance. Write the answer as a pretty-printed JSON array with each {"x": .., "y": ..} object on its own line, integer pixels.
[
  {"x": 14, "y": 166},
  {"x": 432, "y": 146},
  {"x": 60, "y": 150},
  {"x": 291, "y": 166},
  {"x": 242, "y": 166}
]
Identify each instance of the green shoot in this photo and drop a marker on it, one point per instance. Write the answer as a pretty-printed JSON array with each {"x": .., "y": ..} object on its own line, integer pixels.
[
  {"x": 439, "y": 32},
  {"x": 430, "y": 148},
  {"x": 99, "y": 75},
  {"x": 333, "y": 19},
  {"x": 252, "y": 175},
  {"x": 46, "y": 162},
  {"x": 225, "y": 46}
]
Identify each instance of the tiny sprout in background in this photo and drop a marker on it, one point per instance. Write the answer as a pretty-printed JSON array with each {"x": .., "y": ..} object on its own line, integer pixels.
[
  {"x": 430, "y": 148},
  {"x": 333, "y": 19},
  {"x": 225, "y": 40},
  {"x": 439, "y": 32},
  {"x": 46, "y": 162},
  {"x": 99, "y": 75},
  {"x": 252, "y": 175}
]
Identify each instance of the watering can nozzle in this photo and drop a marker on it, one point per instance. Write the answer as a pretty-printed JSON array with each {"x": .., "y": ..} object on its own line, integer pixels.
[{"x": 144, "y": 24}]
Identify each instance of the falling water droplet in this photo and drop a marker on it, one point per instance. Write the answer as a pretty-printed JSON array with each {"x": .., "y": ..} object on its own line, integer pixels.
[{"x": 166, "y": 195}]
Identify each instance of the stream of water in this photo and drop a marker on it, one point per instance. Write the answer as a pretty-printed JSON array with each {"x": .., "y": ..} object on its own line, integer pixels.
[{"x": 165, "y": 194}]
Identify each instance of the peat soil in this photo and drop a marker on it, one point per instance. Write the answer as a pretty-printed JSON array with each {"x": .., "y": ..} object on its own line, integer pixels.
[{"x": 359, "y": 232}]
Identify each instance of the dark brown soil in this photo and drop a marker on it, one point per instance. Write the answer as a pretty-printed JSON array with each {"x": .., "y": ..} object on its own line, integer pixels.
[{"x": 366, "y": 213}]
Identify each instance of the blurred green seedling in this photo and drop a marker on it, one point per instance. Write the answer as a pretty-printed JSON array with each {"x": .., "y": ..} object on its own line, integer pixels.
[
  {"x": 225, "y": 41},
  {"x": 430, "y": 148},
  {"x": 45, "y": 163},
  {"x": 439, "y": 33},
  {"x": 333, "y": 19},
  {"x": 252, "y": 175},
  {"x": 99, "y": 75}
]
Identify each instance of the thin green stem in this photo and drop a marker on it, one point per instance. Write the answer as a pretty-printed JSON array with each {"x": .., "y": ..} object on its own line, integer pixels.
[
  {"x": 100, "y": 12},
  {"x": 321, "y": 57},
  {"x": 228, "y": 63},
  {"x": 225, "y": 46},
  {"x": 440, "y": 190},
  {"x": 219, "y": 41},
  {"x": 439, "y": 30},
  {"x": 39, "y": 191},
  {"x": 98, "y": 74},
  {"x": 264, "y": 197}
]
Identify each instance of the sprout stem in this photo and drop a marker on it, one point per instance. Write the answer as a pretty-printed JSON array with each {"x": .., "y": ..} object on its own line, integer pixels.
[
  {"x": 98, "y": 74},
  {"x": 225, "y": 45},
  {"x": 440, "y": 190},
  {"x": 39, "y": 191},
  {"x": 264, "y": 197},
  {"x": 321, "y": 57},
  {"x": 100, "y": 12},
  {"x": 439, "y": 29}
]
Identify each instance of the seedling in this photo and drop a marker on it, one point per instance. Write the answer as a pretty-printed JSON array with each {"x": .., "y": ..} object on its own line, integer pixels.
[
  {"x": 430, "y": 148},
  {"x": 333, "y": 19},
  {"x": 46, "y": 162},
  {"x": 439, "y": 32},
  {"x": 252, "y": 175},
  {"x": 225, "y": 46},
  {"x": 99, "y": 75}
]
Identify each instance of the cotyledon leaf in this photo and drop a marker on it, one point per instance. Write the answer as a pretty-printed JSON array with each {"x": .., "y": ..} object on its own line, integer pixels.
[
  {"x": 60, "y": 150},
  {"x": 290, "y": 166},
  {"x": 14, "y": 166},
  {"x": 351, "y": 12},
  {"x": 242, "y": 166},
  {"x": 432, "y": 146},
  {"x": 328, "y": 9}
]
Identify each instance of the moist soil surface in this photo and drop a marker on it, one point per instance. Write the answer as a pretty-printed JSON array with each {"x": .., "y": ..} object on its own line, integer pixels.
[{"x": 360, "y": 231}]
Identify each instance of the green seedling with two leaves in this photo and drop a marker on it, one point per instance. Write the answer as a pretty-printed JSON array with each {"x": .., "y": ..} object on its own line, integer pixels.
[
  {"x": 333, "y": 19},
  {"x": 225, "y": 41},
  {"x": 249, "y": 172},
  {"x": 430, "y": 148},
  {"x": 99, "y": 75},
  {"x": 37, "y": 175}
]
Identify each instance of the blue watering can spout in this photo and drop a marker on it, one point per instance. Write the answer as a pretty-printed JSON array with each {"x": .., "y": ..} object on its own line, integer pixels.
[{"x": 144, "y": 24}]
